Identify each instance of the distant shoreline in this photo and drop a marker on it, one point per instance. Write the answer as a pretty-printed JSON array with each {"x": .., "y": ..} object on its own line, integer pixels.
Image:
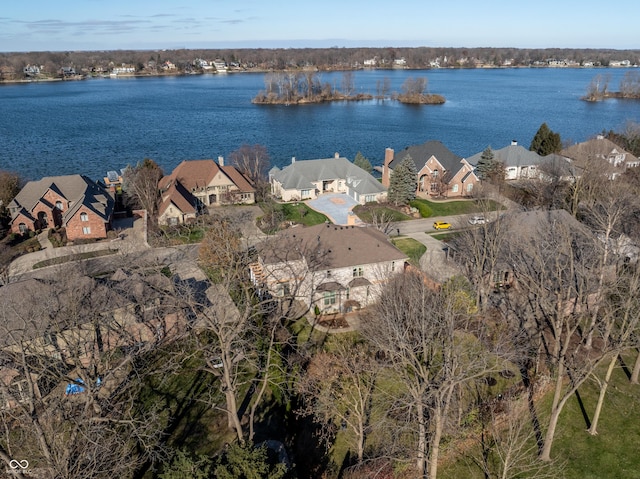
[{"x": 261, "y": 70}]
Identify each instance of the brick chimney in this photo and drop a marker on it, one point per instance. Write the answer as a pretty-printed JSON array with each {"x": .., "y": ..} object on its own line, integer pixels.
[
  {"x": 386, "y": 172},
  {"x": 220, "y": 161}
]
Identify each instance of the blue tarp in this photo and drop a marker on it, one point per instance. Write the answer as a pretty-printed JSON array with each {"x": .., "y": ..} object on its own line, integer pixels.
[{"x": 77, "y": 386}]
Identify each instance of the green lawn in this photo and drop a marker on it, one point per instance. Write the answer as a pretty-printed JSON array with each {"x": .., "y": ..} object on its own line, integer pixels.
[
  {"x": 412, "y": 248},
  {"x": 365, "y": 213},
  {"x": 429, "y": 209},
  {"x": 612, "y": 453},
  {"x": 301, "y": 213}
]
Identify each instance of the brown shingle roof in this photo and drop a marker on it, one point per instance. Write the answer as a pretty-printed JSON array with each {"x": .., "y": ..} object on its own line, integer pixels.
[
  {"x": 193, "y": 174},
  {"x": 339, "y": 246},
  {"x": 242, "y": 182}
]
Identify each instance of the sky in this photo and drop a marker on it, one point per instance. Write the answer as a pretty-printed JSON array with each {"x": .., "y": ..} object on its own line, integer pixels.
[{"x": 68, "y": 25}]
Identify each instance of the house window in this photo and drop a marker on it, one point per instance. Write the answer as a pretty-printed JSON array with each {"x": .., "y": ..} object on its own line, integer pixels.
[
  {"x": 348, "y": 293},
  {"x": 393, "y": 266},
  {"x": 369, "y": 198},
  {"x": 454, "y": 188},
  {"x": 329, "y": 298},
  {"x": 86, "y": 230},
  {"x": 59, "y": 205},
  {"x": 22, "y": 228},
  {"x": 84, "y": 217},
  {"x": 435, "y": 173},
  {"x": 434, "y": 186},
  {"x": 283, "y": 289},
  {"x": 19, "y": 390},
  {"x": 469, "y": 187},
  {"x": 358, "y": 272},
  {"x": 305, "y": 194}
]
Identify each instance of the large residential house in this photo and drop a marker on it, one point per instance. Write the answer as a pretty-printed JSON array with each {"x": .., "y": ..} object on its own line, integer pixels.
[
  {"x": 307, "y": 179},
  {"x": 601, "y": 153},
  {"x": 74, "y": 202},
  {"x": 197, "y": 184},
  {"x": 440, "y": 171},
  {"x": 519, "y": 163},
  {"x": 83, "y": 318},
  {"x": 334, "y": 268}
]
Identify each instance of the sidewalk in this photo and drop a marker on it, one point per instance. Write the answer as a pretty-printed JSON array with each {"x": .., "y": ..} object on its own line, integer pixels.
[{"x": 132, "y": 239}]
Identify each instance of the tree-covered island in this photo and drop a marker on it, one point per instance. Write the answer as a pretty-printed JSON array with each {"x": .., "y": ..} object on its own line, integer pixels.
[
  {"x": 287, "y": 88},
  {"x": 598, "y": 89}
]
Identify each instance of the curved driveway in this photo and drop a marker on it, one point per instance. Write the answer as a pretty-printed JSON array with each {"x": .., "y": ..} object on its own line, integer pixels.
[{"x": 336, "y": 206}]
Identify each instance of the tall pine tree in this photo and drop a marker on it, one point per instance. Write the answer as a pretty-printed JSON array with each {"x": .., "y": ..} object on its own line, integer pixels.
[
  {"x": 361, "y": 161},
  {"x": 546, "y": 141},
  {"x": 403, "y": 182}
]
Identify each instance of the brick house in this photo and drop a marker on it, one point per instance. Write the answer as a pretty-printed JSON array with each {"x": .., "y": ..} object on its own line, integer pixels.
[
  {"x": 334, "y": 268},
  {"x": 127, "y": 310},
  {"x": 440, "y": 171},
  {"x": 74, "y": 202}
]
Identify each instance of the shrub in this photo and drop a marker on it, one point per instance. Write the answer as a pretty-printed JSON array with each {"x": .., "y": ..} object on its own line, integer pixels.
[{"x": 424, "y": 209}]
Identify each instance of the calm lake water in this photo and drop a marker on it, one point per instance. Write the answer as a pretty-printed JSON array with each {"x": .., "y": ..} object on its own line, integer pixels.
[{"x": 96, "y": 125}]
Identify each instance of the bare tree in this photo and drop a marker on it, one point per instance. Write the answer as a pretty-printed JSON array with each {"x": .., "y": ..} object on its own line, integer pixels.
[
  {"x": 140, "y": 183},
  {"x": 236, "y": 315},
  {"x": 552, "y": 261},
  {"x": 421, "y": 333},
  {"x": 348, "y": 85},
  {"x": 619, "y": 328},
  {"x": 338, "y": 387},
  {"x": 507, "y": 443},
  {"x": 71, "y": 372},
  {"x": 253, "y": 162},
  {"x": 480, "y": 249}
]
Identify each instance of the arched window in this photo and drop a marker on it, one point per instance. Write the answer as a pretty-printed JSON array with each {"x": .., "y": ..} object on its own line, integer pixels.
[
  {"x": 23, "y": 228},
  {"x": 84, "y": 217},
  {"x": 59, "y": 205}
]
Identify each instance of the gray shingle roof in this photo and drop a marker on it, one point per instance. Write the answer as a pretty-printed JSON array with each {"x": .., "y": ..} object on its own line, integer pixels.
[
  {"x": 78, "y": 189},
  {"x": 300, "y": 174},
  {"x": 420, "y": 154},
  {"x": 512, "y": 155}
]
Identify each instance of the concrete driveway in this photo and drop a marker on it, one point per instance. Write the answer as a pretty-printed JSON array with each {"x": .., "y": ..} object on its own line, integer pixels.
[{"x": 336, "y": 206}]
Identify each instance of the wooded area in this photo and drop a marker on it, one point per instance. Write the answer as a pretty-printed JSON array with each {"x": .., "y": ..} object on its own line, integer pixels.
[{"x": 322, "y": 59}]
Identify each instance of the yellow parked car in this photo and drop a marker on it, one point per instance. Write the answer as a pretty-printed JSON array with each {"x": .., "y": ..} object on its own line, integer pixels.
[{"x": 441, "y": 225}]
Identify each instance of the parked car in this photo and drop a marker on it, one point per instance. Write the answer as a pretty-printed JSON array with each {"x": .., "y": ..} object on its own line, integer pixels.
[
  {"x": 441, "y": 225},
  {"x": 477, "y": 220}
]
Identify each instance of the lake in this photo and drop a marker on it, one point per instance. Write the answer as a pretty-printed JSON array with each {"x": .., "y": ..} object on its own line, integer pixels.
[{"x": 91, "y": 126}]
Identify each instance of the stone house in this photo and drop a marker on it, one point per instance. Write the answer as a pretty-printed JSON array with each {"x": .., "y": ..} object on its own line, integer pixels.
[
  {"x": 197, "y": 184},
  {"x": 307, "y": 179},
  {"x": 81, "y": 206},
  {"x": 337, "y": 269},
  {"x": 601, "y": 153},
  {"x": 519, "y": 163}
]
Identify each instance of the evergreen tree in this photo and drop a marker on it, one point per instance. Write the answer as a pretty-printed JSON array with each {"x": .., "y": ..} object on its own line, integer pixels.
[
  {"x": 485, "y": 164},
  {"x": 403, "y": 182},
  {"x": 363, "y": 163},
  {"x": 546, "y": 141},
  {"x": 247, "y": 462}
]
